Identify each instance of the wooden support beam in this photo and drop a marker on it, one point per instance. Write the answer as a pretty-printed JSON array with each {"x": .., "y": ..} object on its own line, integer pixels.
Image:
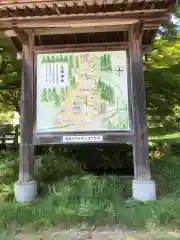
[
  {"x": 140, "y": 145},
  {"x": 82, "y": 20},
  {"x": 68, "y": 30},
  {"x": 69, "y": 24},
  {"x": 117, "y": 27},
  {"x": 22, "y": 35},
  {"x": 76, "y": 30},
  {"x": 87, "y": 47},
  {"x": 92, "y": 29},
  {"x": 26, "y": 120}
]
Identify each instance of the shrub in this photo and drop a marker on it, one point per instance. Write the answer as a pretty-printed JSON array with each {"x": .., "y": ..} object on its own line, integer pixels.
[
  {"x": 9, "y": 168},
  {"x": 55, "y": 167}
]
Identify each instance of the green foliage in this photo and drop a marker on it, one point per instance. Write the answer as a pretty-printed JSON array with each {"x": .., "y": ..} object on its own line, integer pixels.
[
  {"x": 166, "y": 171},
  {"x": 69, "y": 201},
  {"x": 121, "y": 124},
  {"x": 55, "y": 97},
  {"x": 107, "y": 93},
  {"x": 162, "y": 76},
  {"x": 54, "y": 92},
  {"x": 6, "y": 128},
  {"x": 109, "y": 62},
  {"x": 73, "y": 82},
  {"x": 44, "y": 96},
  {"x": 65, "y": 58},
  {"x": 63, "y": 93},
  {"x": 77, "y": 62},
  {"x": 52, "y": 171},
  {"x": 54, "y": 59},
  {"x": 10, "y": 77},
  {"x": 6, "y": 117},
  {"x": 49, "y": 95},
  {"x": 83, "y": 197},
  {"x": 106, "y": 64},
  {"x": 70, "y": 65},
  {"x": 8, "y": 174}
]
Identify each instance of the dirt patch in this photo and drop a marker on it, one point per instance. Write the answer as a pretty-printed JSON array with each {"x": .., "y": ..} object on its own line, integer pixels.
[{"x": 107, "y": 233}]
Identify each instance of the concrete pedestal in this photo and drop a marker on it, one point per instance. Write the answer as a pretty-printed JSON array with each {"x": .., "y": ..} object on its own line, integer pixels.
[
  {"x": 144, "y": 190},
  {"x": 25, "y": 191}
]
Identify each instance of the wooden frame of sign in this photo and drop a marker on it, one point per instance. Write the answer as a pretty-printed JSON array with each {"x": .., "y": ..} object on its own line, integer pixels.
[
  {"x": 137, "y": 136},
  {"x": 78, "y": 136}
]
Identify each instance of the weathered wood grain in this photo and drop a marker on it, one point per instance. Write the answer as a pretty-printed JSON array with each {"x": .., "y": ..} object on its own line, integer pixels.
[
  {"x": 140, "y": 144},
  {"x": 26, "y": 167}
]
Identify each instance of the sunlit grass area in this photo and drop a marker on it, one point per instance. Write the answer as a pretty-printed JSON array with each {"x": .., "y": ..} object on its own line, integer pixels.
[
  {"x": 70, "y": 195},
  {"x": 172, "y": 136}
]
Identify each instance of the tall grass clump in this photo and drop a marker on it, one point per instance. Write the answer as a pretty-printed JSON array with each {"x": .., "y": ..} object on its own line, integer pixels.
[
  {"x": 9, "y": 167},
  {"x": 166, "y": 171}
]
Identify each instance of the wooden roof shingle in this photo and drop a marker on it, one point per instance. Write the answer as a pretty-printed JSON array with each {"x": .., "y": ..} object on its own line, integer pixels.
[
  {"x": 24, "y": 8},
  {"x": 76, "y": 17}
]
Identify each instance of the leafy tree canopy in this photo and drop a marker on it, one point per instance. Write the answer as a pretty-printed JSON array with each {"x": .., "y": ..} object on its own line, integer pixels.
[
  {"x": 9, "y": 77},
  {"x": 162, "y": 76}
]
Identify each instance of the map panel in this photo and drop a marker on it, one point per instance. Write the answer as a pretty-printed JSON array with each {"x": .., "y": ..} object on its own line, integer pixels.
[{"x": 82, "y": 92}]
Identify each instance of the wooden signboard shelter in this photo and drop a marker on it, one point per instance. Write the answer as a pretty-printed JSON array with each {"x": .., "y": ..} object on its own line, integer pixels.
[{"x": 54, "y": 26}]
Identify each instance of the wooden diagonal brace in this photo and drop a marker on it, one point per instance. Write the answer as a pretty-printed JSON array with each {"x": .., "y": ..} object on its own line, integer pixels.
[
  {"x": 22, "y": 35},
  {"x": 138, "y": 29}
]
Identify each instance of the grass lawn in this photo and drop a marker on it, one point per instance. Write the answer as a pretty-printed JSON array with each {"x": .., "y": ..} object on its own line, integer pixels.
[
  {"x": 82, "y": 200},
  {"x": 172, "y": 136}
]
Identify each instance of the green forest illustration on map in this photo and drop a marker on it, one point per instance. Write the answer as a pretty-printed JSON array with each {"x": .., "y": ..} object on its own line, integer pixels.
[{"x": 90, "y": 99}]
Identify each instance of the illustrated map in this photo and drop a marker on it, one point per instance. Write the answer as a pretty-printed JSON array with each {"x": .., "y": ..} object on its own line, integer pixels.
[{"x": 82, "y": 92}]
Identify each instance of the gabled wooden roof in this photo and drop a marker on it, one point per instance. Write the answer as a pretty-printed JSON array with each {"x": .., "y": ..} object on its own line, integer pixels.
[
  {"x": 24, "y": 8},
  {"x": 75, "y": 17}
]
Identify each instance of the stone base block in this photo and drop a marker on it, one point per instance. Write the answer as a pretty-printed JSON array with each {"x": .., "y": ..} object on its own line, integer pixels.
[
  {"x": 25, "y": 191},
  {"x": 144, "y": 190}
]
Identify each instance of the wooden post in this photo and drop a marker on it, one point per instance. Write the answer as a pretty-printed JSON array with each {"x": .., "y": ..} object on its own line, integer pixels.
[
  {"x": 143, "y": 188},
  {"x": 26, "y": 120},
  {"x": 26, "y": 189},
  {"x": 3, "y": 141},
  {"x": 16, "y": 135},
  {"x": 140, "y": 145}
]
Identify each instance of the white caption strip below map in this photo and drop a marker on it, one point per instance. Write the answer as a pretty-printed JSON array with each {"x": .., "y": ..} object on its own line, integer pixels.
[{"x": 98, "y": 138}]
